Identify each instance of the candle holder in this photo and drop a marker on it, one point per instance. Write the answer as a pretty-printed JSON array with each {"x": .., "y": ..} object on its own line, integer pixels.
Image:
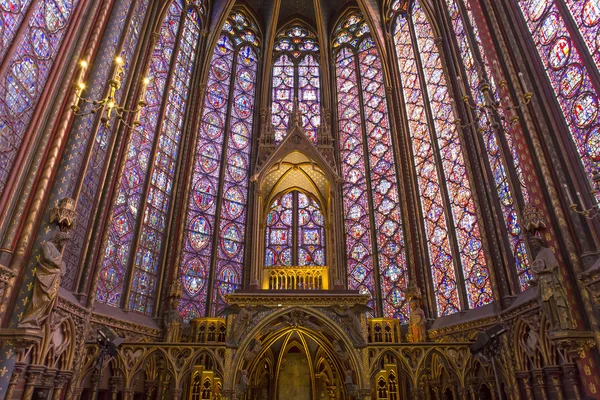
[
  {"x": 491, "y": 107},
  {"x": 108, "y": 106},
  {"x": 589, "y": 213}
]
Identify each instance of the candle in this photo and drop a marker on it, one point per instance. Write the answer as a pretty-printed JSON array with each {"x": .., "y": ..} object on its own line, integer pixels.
[
  {"x": 497, "y": 70},
  {"x": 568, "y": 192},
  {"x": 454, "y": 109},
  {"x": 523, "y": 82},
  {"x": 144, "y": 88},
  {"x": 80, "y": 77},
  {"x": 461, "y": 87}
]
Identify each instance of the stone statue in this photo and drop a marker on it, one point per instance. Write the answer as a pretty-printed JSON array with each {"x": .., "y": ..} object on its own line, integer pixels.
[
  {"x": 339, "y": 351},
  {"x": 416, "y": 323},
  {"x": 242, "y": 387},
  {"x": 256, "y": 348},
  {"x": 242, "y": 321},
  {"x": 350, "y": 319},
  {"x": 322, "y": 382},
  {"x": 351, "y": 388},
  {"x": 551, "y": 293},
  {"x": 49, "y": 270},
  {"x": 173, "y": 318}
]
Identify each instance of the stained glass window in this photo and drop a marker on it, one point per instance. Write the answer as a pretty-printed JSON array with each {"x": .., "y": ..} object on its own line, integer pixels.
[
  {"x": 216, "y": 209},
  {"x": 296, "y": 76},
  {"x": 586, "y": 14},
  {"x": 28, "y": 68},
  {"x": 295, "y": 231},
  {"x": 499, "y": 157},
  {"x": 142, "y": 204},
  {"x": 451, "y": 226},
  {"x": 569, "y": 75},
  {"x": 80, "y": 139},
  {"x": 279, "y": 232},
  {"x": 374, "y": 237},
  {"x": 12, "y": 13}
]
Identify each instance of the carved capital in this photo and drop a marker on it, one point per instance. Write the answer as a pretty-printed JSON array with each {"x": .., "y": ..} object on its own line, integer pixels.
[
  {"x": 64, "y": 214},
  {"x": 533, "y": 219},
  {"x": 574, "y": 343},
  {"x": 591, "y": 279}
]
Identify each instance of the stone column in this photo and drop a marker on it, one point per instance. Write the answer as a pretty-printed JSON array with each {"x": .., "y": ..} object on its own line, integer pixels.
[
  {"x": 491, "y": 384},
  {"x": 463, "y": 393},
  {"x": 525, "y": 378},
  {"x": 554, "y": 373},
  {"x": 472, "y": 382},
  {"x": 128, "y": 394},
  {"x": 436, "y": 386},
  {"x": 34, "y": 375},
  {"x": 572, "y": 374},
  {"x": 115, "y": 383},
  {"x": 150, "y": 388},
  {"x": 538, "y": 374},
  {"x": 176, "y": 394},
  {"x": 416, "y": 393},
  {"x": 60, "y": 382},
  {"x": 95, "y": 382},
  {"x": 18, "y": 370}
]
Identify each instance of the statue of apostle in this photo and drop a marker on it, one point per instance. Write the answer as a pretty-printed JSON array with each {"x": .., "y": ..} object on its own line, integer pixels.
[
  {"x": 551, "y": 293},
  {"x": 49, "y": 270}
]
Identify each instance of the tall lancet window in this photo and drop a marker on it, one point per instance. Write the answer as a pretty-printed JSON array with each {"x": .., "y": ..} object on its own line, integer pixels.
[
  {"x": 569, "y": 61},
  {"x": 130, "y": 269},
  {"x": 374, "y": 237},
  {"x": 295, "y": 231},
  {"x": 456, "y": 252},
  {"x": 90, "y": 141},
  {"x": 502, "y": 152},
  {"x": 296, "y": 76},
  {"x": 26, "y": 62},
  {"x": 215, "y": 228}
]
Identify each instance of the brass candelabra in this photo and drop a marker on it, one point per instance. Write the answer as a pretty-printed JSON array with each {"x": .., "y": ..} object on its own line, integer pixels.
[
  {"x": 108, "y": 106},
  {"x": 491, "y": 107}
]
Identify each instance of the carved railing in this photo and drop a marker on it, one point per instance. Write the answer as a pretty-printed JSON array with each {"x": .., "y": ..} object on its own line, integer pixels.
[
  {"x": 296, "y": 278},
  {"x": 208, "y": 330},
  {"x": 384, "y": 330}
]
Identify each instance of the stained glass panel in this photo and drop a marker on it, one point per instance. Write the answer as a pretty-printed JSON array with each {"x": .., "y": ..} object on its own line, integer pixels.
[
  {"x": 496, "y": 160},
  {"x": 27, "y": 72},
  {"x": 475, "y": 273},
  {"x": 130, "y": 192},
  {"x": 154, "y": 225},
  {"x": 296, "y": 76},
  {"x": 283, "y": 95},
  {"x": 216, "y": 209},
  {"x": 586, "y": 14},
  {"x": 371, "y": 201},
  {"x": 311, "y": 232},
  {"x": 12, "y": 13},
  {"x": 568, "y": 75},
  {"x": 309, "y": 89},
  {"x": 202, "y": 205},
  {"x": 230, "y": 256},
  {"x": 278, "y": 237},
  {"x": 436, "y": 227},
  {"x": 359, "y": 247},
  {"x": 80, "y": 138}
]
